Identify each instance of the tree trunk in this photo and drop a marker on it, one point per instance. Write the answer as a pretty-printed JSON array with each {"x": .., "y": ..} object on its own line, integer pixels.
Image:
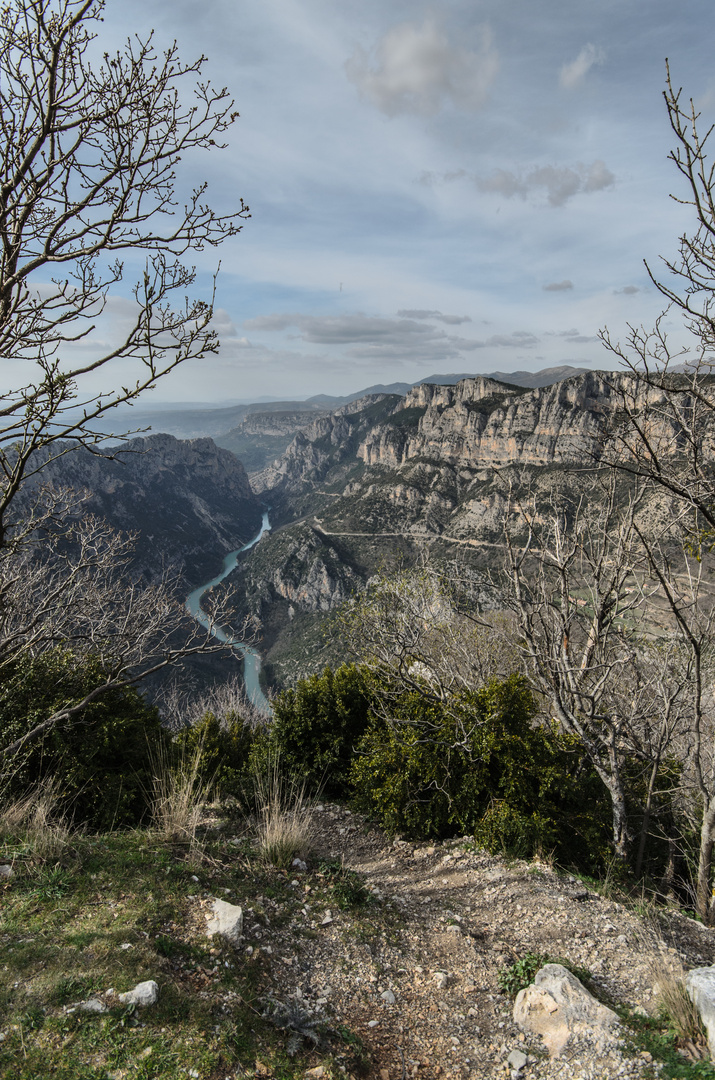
[
  {"x": 707, "y": 841},
  {"x": 646, "y": 818},
  {"x": 621, "y": 832}
]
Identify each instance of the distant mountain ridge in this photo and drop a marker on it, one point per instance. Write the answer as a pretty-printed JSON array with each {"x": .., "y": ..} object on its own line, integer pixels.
[
  {"x": 531, "y": 379},
  {"x": 191, "y": 422}
]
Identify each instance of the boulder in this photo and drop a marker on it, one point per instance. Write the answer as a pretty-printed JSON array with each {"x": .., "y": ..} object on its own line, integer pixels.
[
  {"x": 143, "y": 994},
  {"x": 558, "y": 1008},
  {"x": 225, "y": 919},
  {"x": 700, "y": 985}
]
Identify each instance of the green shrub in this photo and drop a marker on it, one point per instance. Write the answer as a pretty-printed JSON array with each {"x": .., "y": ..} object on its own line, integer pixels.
[
  {"x": 317, "y": 725},
  {"x": 224, "y": 749},
  {"x": 481, "y": 767},
  {"x": 100, "y": 759},
  {"x": 521, "y": 973}
]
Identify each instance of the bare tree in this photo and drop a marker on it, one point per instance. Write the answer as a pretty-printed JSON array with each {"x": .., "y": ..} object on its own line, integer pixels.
[
  {"x": 415, "y": 633},
  {"x": 666, "y": 435},
  {"x": 573, "y": 578},
  {"x": 666, "y": 428},
  {"x": 89, "y": 155}
]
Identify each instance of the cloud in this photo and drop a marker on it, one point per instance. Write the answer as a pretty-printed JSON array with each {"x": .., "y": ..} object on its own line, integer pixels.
[
  {"x": 419, "y": 313},
  {"x": 415, "y": 69},
  {"x": 561, "y": 184},
  {"x": 370, "y": 337},
  {"x": 558, "y": 286},
  {"x": 574, "y": 73},
  {"x": 629, "y": 290},
  {"x": 519, "y": 339}
]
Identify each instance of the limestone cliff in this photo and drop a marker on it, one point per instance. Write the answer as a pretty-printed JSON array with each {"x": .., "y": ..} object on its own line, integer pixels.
[{"x": 189, "y": 502}]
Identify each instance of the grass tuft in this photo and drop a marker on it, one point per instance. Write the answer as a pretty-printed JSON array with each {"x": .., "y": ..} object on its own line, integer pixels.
[
  {"x": 179, "y": 796},
  {"x": 284, "y": 817},
  {"x": 34, "y": 822}
]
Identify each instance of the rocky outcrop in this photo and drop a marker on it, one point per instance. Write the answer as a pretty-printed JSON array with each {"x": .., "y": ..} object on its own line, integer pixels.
[
  {"x": 700, "y": 986},
  {"x": 327, "y": 442},
  {"x": 560, "y": 1009},
  {"x": 189, "y": 502},
  {"x": 310, "y": 574}
]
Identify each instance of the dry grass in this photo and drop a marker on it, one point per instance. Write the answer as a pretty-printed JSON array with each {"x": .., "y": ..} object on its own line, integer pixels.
[
  {"x": 33, "y": 819},
  {"x": 179, "y": 796},
  {"x": 668, "y": 979},
  {"x": 284, "y": 817}
]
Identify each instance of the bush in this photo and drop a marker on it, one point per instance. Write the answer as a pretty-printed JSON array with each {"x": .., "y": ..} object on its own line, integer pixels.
[
  {"x": 481, "y": 767},
  {"x": 100, "y": 760},
  {"x": 222, "y": 749},
  {"x": 317, "y": 726}
]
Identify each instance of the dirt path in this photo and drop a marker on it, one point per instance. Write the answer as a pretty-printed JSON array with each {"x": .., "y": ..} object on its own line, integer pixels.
[{"x": 446, "y": 922}]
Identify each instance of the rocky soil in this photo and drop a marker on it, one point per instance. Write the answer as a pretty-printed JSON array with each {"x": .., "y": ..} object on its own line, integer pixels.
[{"x": 415, "y": 972}]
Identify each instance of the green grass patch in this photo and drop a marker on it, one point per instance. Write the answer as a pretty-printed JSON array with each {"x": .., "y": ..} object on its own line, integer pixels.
[{"x": 123, "y": 908}]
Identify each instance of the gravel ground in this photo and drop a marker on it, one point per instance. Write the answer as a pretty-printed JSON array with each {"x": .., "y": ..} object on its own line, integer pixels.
[{"x": 415, "y": 974}]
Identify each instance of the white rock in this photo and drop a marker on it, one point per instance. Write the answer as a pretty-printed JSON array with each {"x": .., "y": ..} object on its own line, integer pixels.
[
  {"x": 225, "y": 919},
  {"x": 517, "y": 1060},
  {"x": 440, "y": 979},
  {"x": 327, "y": 918},
  {"x": 388, "y": 997},
  {"x": 557, "y": 1006},
  {"x": 372, "y": 1023},
  {"x": 92, "y": 1006},
  {"x": 700, "y": 985},
  {"x": 6, "y": 871},
  {"x": 143, "y": 994},
  {"x": 299, "y": 864}
]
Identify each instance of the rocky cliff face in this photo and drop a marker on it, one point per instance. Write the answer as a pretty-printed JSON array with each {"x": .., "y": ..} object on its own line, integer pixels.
[
  {"x": 190, "y": 502},
  {"x": 327, "y": 442},
  {"x": 480, "y": 423}
]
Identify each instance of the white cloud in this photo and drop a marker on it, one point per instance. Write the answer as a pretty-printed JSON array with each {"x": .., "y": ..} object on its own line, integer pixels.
[
  {"x": 416, "y": 69},
  {"x": 558, "y": 286},
  {"x": 574, "y": 73},
  {"x": 560, "y": 183},
  {"x": 628, "y": 290},
  {"x": 420, "y": 313}
]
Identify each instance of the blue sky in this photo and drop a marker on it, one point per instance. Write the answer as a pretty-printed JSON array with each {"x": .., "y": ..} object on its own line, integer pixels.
[{"x": 460, "y": 186}]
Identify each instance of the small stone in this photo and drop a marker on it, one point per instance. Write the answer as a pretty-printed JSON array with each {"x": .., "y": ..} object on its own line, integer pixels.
[
  {"x": 299, "y": 864},
  {"x": 126, "y": 945},
  {"x": 327, "y": 918},
  {"x": 92, "y": 1006},
  {"x": 440, "y": 979},
  {"x": 317, "y": 1073},
  {"x": 372, "y": 1023},
  {"x": 226, "y": 920},
  {"x": 6, "y": 871},
  {"x": 143, "y": 994},
  {"x": 517, "y": 1060},
  {"x": 384, "y": 1074},
  {"x": 388, "y": 997}
]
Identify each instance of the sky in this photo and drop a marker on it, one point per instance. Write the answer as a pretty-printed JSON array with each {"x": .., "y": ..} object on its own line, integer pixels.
[{"x": 464, "y": 186}]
